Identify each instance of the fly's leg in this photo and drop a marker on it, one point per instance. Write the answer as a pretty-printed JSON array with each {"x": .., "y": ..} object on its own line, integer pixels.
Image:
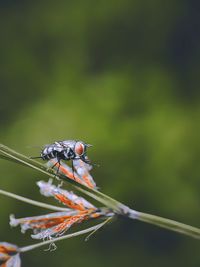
[
  {"x": 57, "y": 172},
  {"x": 54, "y": 165},
  {"x": 73, "y": 169},
  {"x": 58, "y": 167},
  {"x": 57, "y": 162}
]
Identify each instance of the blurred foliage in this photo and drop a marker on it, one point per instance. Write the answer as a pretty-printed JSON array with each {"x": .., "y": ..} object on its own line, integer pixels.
[{"x": 124, "y": 76}]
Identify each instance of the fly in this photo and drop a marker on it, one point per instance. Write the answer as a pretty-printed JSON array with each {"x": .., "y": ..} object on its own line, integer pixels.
[{"x": 65, "y": 150}]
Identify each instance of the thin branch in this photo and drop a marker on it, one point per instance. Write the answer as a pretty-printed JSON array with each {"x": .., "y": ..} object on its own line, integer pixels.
[
  {"x": 166, "y": 223},
  {"x": 98, "y": 227},
  {"x": 32, "y": 202},
  {"x": 109, "y": 202},
  {"x": 102, "y": 198},
  {"x": 91, "y": 229}
]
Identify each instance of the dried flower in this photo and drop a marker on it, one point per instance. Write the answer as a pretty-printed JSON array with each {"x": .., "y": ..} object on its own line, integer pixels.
[
  {"x": 65, "y": 197},
  {"x": 55, "y": 224},
  {"x": 80, "y": 174},
  {"x": 9, "y": 255}
]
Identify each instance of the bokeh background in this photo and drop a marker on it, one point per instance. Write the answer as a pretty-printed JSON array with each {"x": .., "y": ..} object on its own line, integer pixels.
[{"x": 123, "y": 76}]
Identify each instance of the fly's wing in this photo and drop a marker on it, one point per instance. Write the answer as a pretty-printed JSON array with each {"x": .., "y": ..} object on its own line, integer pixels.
[
  {"x": 48, "y": 149},
  {"x": 67, "y": 143},
  {"x": 56, "y": 147}
]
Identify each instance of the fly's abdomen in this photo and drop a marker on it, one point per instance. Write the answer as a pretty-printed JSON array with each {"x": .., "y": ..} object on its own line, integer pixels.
[{"x": 50, "y": 152}]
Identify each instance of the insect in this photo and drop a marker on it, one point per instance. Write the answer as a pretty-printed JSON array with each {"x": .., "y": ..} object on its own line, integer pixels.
[{"x": 65, "y": 150}]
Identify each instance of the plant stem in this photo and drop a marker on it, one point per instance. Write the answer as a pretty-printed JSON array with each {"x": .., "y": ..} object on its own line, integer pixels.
[
  {"x": 109, "y": 202},
  {"x": 102, "y": 198},
  {"x": 32, "y": 202},
  {"x": 165, "y": 223},
  {"x": 98, "y": 227}
]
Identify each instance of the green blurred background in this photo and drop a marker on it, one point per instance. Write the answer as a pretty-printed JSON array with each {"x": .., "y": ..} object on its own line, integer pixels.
[{"x": 123, "y": 76}]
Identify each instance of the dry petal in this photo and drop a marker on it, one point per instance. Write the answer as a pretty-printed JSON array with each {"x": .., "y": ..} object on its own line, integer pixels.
[{"x": 67, "y": 198}]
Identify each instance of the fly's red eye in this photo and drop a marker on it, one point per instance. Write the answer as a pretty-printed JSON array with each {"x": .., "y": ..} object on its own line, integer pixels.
[{"x": 79, "y": 148}]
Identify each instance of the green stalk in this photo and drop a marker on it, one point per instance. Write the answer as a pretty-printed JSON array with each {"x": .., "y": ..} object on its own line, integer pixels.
[
  {"x": 109, "y": 202},
  {"x": 32, "y": 202},
  {"x": 166, "y": 223}
]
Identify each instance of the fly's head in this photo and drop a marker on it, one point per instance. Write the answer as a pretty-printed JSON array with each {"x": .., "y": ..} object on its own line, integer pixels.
[{"x": 80, "y": 150}]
